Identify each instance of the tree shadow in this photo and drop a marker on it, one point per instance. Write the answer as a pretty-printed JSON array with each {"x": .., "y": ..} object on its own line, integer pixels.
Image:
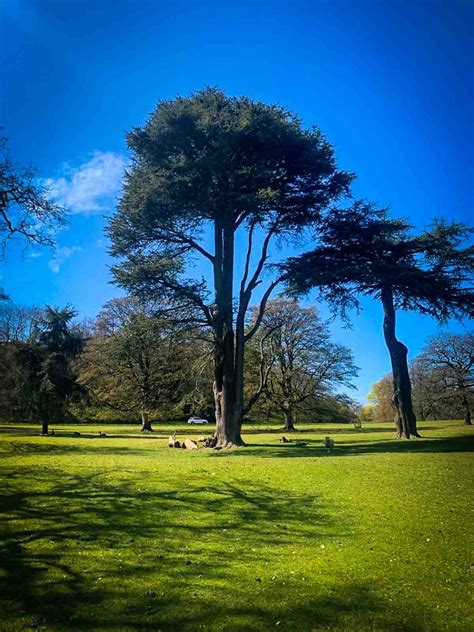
[
  {"x": 315, "y": 448},
  {"x": 84, "y": 551},
  {"x": 176, "y": 534}
]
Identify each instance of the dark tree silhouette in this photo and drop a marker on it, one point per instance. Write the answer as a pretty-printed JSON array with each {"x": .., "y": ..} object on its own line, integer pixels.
[
  {"x": 203, "y": 168},
  {"x": 361, "y": 251},
  {"x": 47, "y": 376},
  {"x": 25, "y": 209}
]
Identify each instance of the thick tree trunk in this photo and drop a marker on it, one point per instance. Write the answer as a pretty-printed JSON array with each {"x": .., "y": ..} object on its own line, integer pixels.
[
  {"x": 289, "y": 420},
  {"x": 146, "y": 423},
  {"x": 228, "y": 371},
  {"x": 44, "y": 428},
  {"x": 405, "y": 419},
  {"x": 467, "y": 411}
]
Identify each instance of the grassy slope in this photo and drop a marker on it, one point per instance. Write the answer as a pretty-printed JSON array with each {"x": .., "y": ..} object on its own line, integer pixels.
[{"x": 121, "y": 533}]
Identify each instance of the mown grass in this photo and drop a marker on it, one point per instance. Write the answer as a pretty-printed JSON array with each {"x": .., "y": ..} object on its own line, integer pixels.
[{"x": 122, "y": 533}]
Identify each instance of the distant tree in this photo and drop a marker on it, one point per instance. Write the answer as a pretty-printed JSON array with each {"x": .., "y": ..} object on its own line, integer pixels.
[
  {"x": 133, "y": 363},
  {"x": 362, "y": 251},
  {"x": 380, "y": 399},
  {"x": 424, "y": 395},
  {"x": 37, "y": 352},
  {"x": 59, "y": 346},
  {"x": 18, "y": 323},
  {"x": 203, "y": 168},
  {"x": 299, "y": 360},
  {"x": 450, "y": 358},
  {"x": 18, "y": 326},
  {"x": 26, "y": 211}
]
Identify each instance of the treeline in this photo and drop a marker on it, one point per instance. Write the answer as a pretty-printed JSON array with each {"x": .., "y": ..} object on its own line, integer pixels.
[
  {"x": 442, "y": 379},
  {"x": 141, "y": 361}
]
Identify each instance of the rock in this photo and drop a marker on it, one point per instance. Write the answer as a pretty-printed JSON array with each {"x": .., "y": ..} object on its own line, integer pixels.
[
  {"x": 102, "y": 434},
  {"x": 329, "y": 443},
  {"x": 189, "y": 444},
  {"x": 202, "y": 439},
  {"x": 284, "y": 440},
  {"x": 210, "y": 442},
  {"x": 173, "y": 442}
]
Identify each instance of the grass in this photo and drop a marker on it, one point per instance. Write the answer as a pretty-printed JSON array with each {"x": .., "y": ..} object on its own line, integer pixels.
[{"x": 122, "y": 533}]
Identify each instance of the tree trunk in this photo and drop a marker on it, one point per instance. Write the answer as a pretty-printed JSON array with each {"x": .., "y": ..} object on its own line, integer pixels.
[
  {"x": 227, "y": 380},
  {"x": 146, "y": 423},
  {"x": 467, "y": 410},
  {"x": 44, "y": 428},
  {"x": 405, "y": 419},
  {"x": 289, "y": 420}
]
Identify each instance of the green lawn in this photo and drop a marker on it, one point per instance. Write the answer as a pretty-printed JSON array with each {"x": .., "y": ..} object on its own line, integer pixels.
[{"x": 122, "y": 533}]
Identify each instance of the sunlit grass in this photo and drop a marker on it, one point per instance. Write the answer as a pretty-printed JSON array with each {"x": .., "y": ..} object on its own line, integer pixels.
[{"x": 122, "y": 533}]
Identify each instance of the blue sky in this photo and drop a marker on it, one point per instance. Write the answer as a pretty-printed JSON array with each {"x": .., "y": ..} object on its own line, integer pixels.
[{"x": 389, "y": 83}]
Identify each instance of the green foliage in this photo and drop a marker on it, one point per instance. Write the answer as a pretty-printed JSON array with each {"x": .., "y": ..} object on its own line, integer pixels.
[
  {"x": 211, "y": 159},
  {"x": 42, "y": 351},
  {"x": 138, "y": 361},
  {"x": 360, "y": 250}
]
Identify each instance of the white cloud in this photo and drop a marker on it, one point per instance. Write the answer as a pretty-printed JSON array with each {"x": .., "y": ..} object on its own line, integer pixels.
[
  {"x": 91, "y": 187},
  {"x": 60, "y": 256}
]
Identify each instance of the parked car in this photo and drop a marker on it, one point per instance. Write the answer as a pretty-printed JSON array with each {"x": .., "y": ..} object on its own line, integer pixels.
[{"x": 197, "y": 420}]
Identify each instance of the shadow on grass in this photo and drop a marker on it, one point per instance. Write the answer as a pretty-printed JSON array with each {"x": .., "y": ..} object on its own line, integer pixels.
[
  {"x": 81, "y": 552},
  {"x": 60, "y": 534},
  {"x": 315, "y": 448},
  {"x": 297, "y": 448}
]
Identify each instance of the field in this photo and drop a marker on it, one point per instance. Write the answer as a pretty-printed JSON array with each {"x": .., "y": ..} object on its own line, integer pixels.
[{"x": 122, "y": 533}]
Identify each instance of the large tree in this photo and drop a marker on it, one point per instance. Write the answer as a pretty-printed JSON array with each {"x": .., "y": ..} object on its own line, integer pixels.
[
  {"x": 211, "y": 175},
  {"x": 26, "y": 211},
  {"x": 361, "y": 250},
  {"x": 133, "y": 362},
  {"x": 299, "y": 363},
  {"x": 450, "y": 358}
]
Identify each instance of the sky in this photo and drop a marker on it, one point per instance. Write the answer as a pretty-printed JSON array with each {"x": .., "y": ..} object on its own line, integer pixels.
[{"x": 389, "y": 83}]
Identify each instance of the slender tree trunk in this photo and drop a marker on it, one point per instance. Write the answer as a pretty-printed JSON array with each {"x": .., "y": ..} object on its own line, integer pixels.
[
  {"x": 146, "y": 423},
  {"x": 467, "y": 410},
  {"x": 289, "y": 420},
  {"x": 405, "y": 417},
  {"x": 44, "y": 428}
]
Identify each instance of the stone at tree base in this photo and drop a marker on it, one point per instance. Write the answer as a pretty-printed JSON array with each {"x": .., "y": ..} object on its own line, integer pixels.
[
  {"x": 210, "y": 442},
  {"x": 173, "y": 442},
  {"x": 189, "y": 444},
  {"x": 329, "y": 443}
]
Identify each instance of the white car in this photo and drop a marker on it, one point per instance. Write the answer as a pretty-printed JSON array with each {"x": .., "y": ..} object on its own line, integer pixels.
[{"x": 197, "y": 420}]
